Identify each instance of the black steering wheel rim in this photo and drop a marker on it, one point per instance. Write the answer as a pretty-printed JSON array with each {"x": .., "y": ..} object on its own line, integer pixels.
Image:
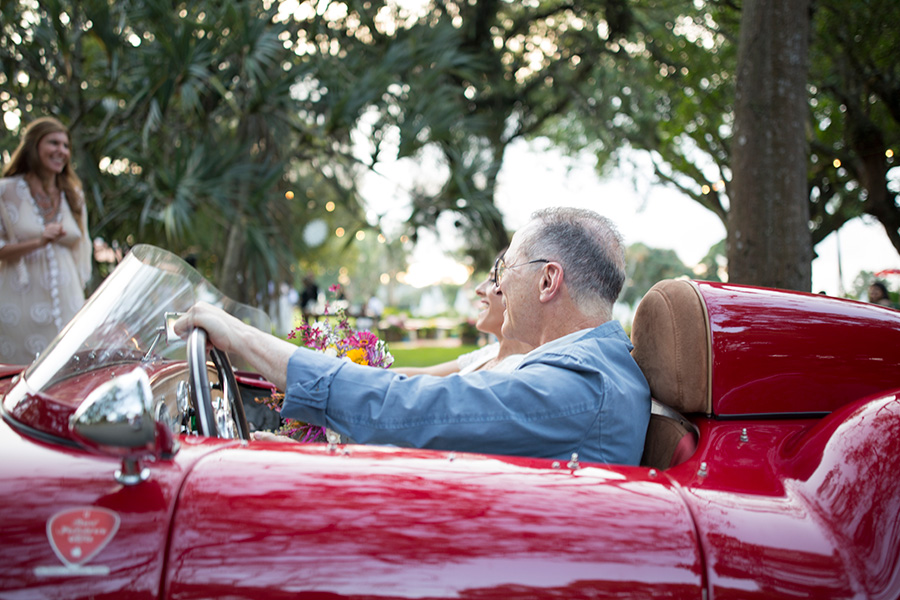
[{"x": 201, "y": 391}]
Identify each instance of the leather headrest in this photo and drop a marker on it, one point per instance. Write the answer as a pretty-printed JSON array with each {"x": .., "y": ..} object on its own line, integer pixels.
[{"x": 671, "y": 341}]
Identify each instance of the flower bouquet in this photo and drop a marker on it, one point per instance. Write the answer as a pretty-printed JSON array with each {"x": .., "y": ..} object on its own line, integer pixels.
[{"x": 333, "y": 336}]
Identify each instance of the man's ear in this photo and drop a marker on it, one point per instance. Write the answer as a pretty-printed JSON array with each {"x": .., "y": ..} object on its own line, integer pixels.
[{"x": 551, "y": 281}]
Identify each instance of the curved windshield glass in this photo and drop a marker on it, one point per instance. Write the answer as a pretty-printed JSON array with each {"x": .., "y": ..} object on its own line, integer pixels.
[{"x": 124, "y": 321}]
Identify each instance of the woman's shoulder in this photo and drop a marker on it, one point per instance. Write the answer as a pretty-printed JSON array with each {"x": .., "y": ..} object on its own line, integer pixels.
[
  {"x": 11, "y": 183},
  {"x": 479, "y": 356}
]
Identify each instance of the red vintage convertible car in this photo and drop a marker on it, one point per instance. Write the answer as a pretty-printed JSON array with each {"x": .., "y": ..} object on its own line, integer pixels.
[{"x": 772, "y": 469}]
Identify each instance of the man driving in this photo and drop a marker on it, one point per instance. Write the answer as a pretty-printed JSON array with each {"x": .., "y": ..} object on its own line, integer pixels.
[{"x": 579, "y": 391}]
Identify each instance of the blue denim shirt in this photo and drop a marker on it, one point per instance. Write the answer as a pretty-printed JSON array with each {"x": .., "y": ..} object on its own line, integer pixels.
[{"x": 587, "y": 396}]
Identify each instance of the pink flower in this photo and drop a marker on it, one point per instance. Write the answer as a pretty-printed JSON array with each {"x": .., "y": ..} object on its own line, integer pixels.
[
  {"x": 366, "y": 339},
  {"x": 335, "y": 339}
]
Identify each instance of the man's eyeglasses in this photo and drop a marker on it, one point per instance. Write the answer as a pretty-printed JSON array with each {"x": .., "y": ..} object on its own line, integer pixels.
[{"x": 500, "y": 268}]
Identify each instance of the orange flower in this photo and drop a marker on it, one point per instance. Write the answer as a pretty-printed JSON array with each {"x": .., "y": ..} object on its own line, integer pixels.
[{"x": 358, "y": 355}]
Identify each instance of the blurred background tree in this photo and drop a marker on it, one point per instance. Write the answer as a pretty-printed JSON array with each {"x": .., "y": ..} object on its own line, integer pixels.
[
  {"x": 188, "y": 133},
  {"x": 646, "y": 266},
  {"x": 669, "y": 91}
]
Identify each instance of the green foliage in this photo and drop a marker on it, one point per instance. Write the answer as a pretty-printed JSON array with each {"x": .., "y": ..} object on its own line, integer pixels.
[
  {"x": 854, "y": 87},
  {"x": 357, "y": 264},
  {"x": 184, "y": 125},
  {"x": 860, "y": 287},
  {"x": 669, "y": 90},
  {"x": 712, "y": 266},
  {"x": 192, "y": 121},
  {"x": 460, "y": 80},
  {"x": 647, "y": 266}
]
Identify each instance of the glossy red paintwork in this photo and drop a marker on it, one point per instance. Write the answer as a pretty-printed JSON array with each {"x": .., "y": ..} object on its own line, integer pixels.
[
  {"x": 386, "y": 523},
  {"x": 781, "y": 506},
  {"x": 802, "y": 509},
  {"x": 40, "y": 479},
  {"x": 776, "y": 352}
]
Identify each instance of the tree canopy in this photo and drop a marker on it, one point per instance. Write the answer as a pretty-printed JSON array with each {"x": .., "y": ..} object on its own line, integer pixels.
[
  {"x": 226, "y": 129},
  {"x": 671, "y": 93},
  {"x": 187, "y": 128}
]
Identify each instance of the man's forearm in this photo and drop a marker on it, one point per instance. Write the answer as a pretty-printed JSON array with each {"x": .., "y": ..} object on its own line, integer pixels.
[{"x": 267, "y": 354}]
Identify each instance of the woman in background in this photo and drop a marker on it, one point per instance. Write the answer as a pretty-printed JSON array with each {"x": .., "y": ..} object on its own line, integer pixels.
[
  {"x": 878, "y": 294},
  {"x": 45, "y": 250}
]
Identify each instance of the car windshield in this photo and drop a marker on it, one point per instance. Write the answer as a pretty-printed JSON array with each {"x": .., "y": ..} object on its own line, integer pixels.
[{"x": 124, "y": 321}]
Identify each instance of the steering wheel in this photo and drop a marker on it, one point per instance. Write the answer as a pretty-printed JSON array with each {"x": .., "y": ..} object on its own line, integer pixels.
[{"x": 223, "y": 416}]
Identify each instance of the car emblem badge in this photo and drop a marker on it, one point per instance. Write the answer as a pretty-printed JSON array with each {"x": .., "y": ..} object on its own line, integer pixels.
[{"x": 78, "y": 534}]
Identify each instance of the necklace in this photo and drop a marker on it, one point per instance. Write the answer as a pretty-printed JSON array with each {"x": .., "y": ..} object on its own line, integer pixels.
[{"x": 47, "y": 204}]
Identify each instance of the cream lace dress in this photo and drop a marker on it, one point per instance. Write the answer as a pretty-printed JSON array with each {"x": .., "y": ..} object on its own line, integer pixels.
[{"x": 33, "y": 309}]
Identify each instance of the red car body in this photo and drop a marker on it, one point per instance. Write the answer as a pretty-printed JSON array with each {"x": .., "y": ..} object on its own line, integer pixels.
[{"x": 792, "y": 491}]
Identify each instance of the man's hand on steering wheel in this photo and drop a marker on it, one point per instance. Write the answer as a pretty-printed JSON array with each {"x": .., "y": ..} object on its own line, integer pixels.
[{"x": 222, "y": 330}]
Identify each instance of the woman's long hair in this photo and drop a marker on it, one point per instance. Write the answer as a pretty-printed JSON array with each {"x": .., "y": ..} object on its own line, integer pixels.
[{"x": 25, "y": 159}]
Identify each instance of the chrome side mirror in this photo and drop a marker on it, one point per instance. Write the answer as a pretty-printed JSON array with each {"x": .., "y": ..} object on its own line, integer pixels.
[{"x": 119, "y": 419}]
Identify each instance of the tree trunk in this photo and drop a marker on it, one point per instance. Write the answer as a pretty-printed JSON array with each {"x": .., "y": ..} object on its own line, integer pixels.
[
  {"x": 769, "y": 241},
  {"x": 231, "y": 265}
]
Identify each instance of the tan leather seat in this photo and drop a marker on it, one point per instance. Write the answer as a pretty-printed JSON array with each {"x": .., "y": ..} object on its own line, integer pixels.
[{"x": 670, "y": 334}]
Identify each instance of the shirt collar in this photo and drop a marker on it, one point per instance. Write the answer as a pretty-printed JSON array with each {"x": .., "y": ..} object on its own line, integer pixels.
[{"x": 559, "y": 342}]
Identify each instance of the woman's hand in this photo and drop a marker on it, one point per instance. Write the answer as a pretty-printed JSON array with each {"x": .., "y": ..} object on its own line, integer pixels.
[{"x": 52, "y": 232}]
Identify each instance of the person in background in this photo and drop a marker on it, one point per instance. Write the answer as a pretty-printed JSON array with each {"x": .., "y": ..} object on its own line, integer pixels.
[
  {"x": 503, "y": 355},
  {"x": 578, "y": 392},
  {"x": 45, "y": 249},
  {"x": 309, "y": 297},
  {"x": 375, "y": 308},
  {"x": 878, "y": 294},
  {"x": 370, "y": 315}
]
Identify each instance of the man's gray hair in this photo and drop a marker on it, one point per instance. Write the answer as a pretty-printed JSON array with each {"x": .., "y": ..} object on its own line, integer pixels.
[{"x": 590, "y": 250}]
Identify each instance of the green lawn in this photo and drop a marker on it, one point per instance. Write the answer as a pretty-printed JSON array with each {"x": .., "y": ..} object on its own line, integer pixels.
[
  {"x": 406, "y": 355},
  {"x": 427, "y": 356}
]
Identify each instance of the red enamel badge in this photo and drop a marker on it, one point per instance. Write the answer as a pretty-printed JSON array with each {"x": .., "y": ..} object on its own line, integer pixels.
[{"x": 78, "y": 534}]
